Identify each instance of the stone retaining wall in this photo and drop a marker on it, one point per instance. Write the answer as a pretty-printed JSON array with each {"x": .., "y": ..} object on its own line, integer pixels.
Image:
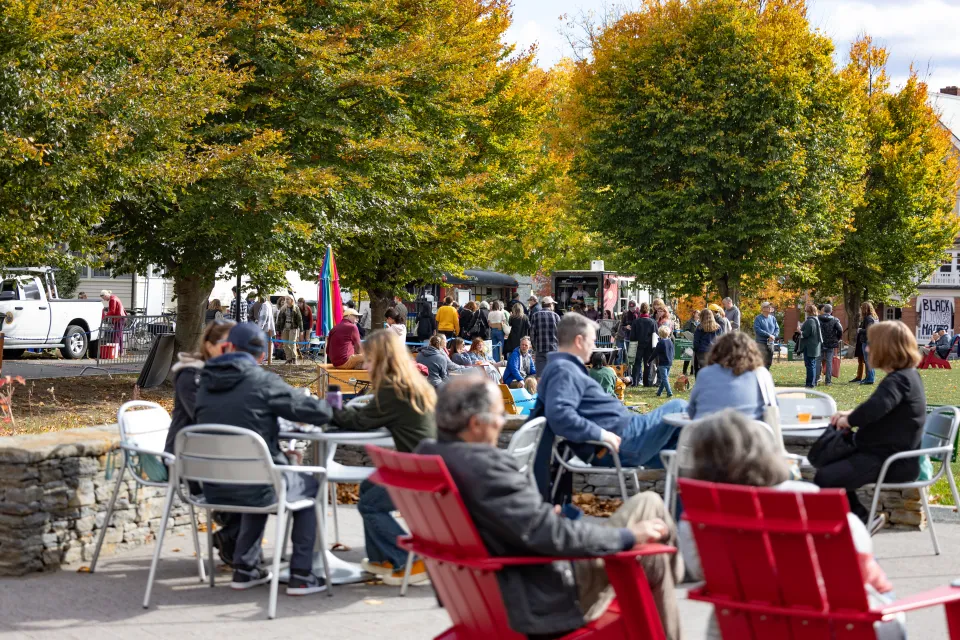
[{"x": 54, "y": 497}]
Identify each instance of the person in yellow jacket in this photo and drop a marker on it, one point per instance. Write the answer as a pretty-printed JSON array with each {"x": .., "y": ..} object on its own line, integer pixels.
[{"x": 448, "y": 321}]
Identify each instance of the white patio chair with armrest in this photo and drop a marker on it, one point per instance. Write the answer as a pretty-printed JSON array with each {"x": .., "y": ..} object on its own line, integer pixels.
[
  {"x": 143, "y": 432},
  {"x": 672, "y": 462},
  {"x": 939, "y": 435},
  {"x": 569, "y": 462},
  {"x": 788, "y": 398},
  {"x": 233, "y": 456},
  {"x": 524, "y": 442}
]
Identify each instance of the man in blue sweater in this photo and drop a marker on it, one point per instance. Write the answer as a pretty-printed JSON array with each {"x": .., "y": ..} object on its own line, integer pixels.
[
  {"x": 766, "y": 329},
  {"x": 578, "y": 409}
]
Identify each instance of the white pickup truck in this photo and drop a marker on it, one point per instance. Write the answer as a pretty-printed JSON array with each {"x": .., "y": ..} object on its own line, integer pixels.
[{"x": 34, "y": 318}]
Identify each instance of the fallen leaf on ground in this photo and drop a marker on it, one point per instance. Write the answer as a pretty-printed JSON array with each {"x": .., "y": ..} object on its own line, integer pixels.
[
  {"x": 83, "y": 569},
  {"x": 176, "y": 549},
  {"x": 374, "y": 602}
]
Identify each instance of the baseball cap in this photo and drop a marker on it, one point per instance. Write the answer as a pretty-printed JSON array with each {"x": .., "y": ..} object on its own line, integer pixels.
[
  {"x": 347, "y": 311},
  {"x": 547, "y": 300},
  {"x": 248, "y": 337}
]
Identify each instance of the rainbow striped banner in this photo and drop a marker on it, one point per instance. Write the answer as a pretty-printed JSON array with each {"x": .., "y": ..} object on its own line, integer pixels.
[{"x": 329, "y": 302}]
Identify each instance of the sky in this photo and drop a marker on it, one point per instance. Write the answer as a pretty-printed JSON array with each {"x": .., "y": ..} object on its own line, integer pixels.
[{"x": 925, "y": 33}]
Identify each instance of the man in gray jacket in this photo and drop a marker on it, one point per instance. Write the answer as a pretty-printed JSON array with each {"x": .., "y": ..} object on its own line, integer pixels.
[{"x": 513, "y": 520}]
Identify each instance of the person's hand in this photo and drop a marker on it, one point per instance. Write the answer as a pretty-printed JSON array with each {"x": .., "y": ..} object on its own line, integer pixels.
[
  {"x": 650, "y": 531},
  {"x": 835, "y": 419},
  {"x": 611, "y": 439},
  {"x": 842, "y": 423}
]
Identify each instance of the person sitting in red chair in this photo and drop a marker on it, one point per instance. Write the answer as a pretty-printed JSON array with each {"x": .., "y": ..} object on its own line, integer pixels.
[{"x": 543, "y": 601}]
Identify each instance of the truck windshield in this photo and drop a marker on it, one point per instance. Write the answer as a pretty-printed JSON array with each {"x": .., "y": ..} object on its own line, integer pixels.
[{"x": 10, "y": 285}]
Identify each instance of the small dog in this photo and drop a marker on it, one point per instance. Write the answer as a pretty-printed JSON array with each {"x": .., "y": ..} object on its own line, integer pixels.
[{"x": 682, "y": 384}]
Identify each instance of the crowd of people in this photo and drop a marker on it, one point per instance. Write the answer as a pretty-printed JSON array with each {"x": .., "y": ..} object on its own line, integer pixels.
[{"x": 445, "y": 407}]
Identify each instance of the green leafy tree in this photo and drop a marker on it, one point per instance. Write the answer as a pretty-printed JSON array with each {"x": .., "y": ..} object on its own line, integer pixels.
[
  {"x": 95, "y": 101},
  {"x": 719, "y": 145},
  {"x": 905, "y": 224}
]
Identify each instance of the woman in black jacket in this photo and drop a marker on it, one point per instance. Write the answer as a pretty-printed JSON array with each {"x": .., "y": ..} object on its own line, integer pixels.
[
  {"x": 869, "y": 318},
  {"x": 889, "y": 422},
  {"x": 703, "y": 338},
  {"x": 426, "y": 322},
  {"x": 519, "y": 329}
]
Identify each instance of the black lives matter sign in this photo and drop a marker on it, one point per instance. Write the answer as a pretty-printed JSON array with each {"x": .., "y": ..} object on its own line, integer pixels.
[{"x": 935, "y": 314}]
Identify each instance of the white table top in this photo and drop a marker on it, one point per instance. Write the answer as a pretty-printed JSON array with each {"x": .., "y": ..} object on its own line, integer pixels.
[
  {"x": 683, "y": 419},
  {"x": 339, "y": 437}
]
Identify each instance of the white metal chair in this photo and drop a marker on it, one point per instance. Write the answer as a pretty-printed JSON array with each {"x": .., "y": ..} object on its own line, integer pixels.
[
  {"x": 233, "y": 456},
  {"x": 939, "y": 434},
  {"x": 674, "y": 460},
  {"x": 569, "y": 462},
  {"x": 523, "y": 445},
  {"x": 143, "y": 432},
  {"x": 789, "y": 398}
]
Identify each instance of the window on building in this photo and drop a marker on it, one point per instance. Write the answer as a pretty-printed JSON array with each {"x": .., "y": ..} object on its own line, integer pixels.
[
  {"x": 101, "y": 273},
  {"x": 892, "y": 313},
  {"x": 947, "y": 266}
]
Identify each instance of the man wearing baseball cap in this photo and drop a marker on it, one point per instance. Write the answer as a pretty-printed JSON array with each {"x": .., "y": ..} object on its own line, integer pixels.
[
  {"x": 533, "y": 305},
  {"x": 344, "y": 349},
  {"x": 235, "y": 390}
]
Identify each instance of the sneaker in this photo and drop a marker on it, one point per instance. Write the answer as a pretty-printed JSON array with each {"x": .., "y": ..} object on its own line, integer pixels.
[
  {"x": 866, "y": 382},
  {"x": 247, "y": 579},
  {"x": 878, "y": 523},
  {"x": 305, "y": 585},
  {"x": 855, "y": 380},
  {"x": 377, "y": 568},
  {"x": 418, "y": 575}
]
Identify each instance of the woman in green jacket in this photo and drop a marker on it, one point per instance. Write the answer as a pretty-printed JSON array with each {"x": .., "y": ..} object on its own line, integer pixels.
[
  {"x": 403, "y": 403},
  {"x": 810, "y": 343}
]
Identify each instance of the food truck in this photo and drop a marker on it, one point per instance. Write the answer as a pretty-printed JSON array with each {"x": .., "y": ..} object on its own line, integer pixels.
[{"x": 605, "y": 290}]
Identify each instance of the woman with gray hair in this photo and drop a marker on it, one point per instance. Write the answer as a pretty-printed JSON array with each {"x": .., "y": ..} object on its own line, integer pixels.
[{"x": 728, "y": 448}]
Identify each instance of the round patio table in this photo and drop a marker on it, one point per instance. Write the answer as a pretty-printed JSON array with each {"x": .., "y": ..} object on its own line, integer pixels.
[{"x": 341, "y": 571}]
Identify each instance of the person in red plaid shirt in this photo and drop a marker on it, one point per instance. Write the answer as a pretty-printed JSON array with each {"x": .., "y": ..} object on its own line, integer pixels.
[{"x": 543, "y": 330}]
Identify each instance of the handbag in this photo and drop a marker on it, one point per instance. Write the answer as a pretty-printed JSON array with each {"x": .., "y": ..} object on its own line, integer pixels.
[{"x": 835, "y": 444}]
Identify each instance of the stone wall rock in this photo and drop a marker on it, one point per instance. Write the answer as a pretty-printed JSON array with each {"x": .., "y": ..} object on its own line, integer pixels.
[{"x": 53, "y": 501}]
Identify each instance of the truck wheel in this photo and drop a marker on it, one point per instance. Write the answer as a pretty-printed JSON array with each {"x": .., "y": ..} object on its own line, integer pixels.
[
  {"x": 13, "y": 354},
  {"x": 75, "y": 343}
]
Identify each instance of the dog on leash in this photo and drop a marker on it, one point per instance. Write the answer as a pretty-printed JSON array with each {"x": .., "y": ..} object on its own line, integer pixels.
[{"x": 682, "y": 384}]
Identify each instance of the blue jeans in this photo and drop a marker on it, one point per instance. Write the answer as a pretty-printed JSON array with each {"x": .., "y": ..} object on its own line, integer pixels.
[
  {"x": 664, "y": 374},
  {"x": 871, "y": 374},
  {"x": 621, "y": 355},
  {"x": 645, "y": 436},
  {"x": 810, "y": 364},
  {"x": 380, "y": 530},
  {"x": 496, "y": 335}
]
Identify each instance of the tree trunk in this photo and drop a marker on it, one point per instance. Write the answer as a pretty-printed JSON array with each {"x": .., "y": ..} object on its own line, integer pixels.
[
  {"x": 851, "y": 304},
  {"x": 380, "y": 301},
  {"x": 192, "y": 293},
  {"x": 729, "y": 287}
]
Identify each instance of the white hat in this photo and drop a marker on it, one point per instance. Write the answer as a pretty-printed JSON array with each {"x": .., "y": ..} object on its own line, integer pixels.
[
  {"x": 533, "y": 297},
  {"x": 347, "y": 311},
  {"x": 547, "y": 300},
  {"x": 105, "y": 293}
]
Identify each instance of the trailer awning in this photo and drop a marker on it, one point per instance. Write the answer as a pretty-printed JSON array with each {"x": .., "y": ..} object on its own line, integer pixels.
[{"x": 478, "y": 277}]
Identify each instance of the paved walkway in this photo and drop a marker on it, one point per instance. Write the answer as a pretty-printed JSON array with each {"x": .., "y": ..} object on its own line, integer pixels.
[
  {"x": 107, "y": 604},
  {"x": 35, "y": 369}
]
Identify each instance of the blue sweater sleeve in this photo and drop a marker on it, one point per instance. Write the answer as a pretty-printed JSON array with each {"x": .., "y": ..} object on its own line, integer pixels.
[
  {"x": 758, "y": 329},
  {"x": 565, "y": 393},
  {"x": 513, "y": 368}
]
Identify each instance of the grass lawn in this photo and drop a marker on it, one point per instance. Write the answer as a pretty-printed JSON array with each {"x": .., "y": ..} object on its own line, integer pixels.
[
  {"x": 56, "y": 404},
  {"x": 941, "y": 387}
]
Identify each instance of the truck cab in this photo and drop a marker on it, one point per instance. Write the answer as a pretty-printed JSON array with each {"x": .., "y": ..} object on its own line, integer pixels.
[{"x": 33, "y": 317}]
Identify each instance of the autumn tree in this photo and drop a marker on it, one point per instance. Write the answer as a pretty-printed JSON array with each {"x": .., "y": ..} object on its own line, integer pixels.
[
  {"x": 96, "y": 99},
  {"x": 902, "y": 229},
  {"x": 720, "y": 145}
]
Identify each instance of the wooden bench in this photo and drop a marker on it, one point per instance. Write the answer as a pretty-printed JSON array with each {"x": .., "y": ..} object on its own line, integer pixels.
[
  {"x": 350, "y": 380},
  {"x": 783, "y": 565},
  {"x": 464, "y": 573}
]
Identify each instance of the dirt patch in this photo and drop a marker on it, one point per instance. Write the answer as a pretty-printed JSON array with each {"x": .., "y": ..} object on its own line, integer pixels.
[{"x": 56, "y": 404}]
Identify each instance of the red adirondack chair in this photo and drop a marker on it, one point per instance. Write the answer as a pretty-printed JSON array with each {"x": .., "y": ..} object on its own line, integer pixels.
[
  {"x": 783, "y": 566},
  {"x": 933, "y": 361},
  {"x": 464, "y": 574}
]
